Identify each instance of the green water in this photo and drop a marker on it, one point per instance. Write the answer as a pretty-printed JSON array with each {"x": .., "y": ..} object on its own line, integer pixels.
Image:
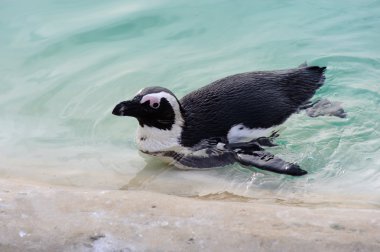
[{"x": 65, "y": 64}]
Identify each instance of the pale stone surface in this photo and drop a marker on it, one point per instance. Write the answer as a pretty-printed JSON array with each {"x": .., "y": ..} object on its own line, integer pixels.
[{"x": 36, "y": 217}]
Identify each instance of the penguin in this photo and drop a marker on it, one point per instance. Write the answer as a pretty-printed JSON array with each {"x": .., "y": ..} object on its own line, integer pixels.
[{"x": 232, "y": 120}]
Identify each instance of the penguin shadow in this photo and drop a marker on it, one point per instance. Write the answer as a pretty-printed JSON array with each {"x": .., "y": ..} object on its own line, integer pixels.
[{"x": 152, "y": 170}]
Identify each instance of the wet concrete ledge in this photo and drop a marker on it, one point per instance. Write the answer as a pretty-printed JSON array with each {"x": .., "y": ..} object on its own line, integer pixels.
[{"x": 37, "y": 217}]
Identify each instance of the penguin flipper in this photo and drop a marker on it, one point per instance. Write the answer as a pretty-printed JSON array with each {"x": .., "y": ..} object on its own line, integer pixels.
[
  {"x": 209, "y": 153},
  {"x": 204, "y": 159},
  {"x": 266, "y": 161},
  {"x": 215, "y": 152}
]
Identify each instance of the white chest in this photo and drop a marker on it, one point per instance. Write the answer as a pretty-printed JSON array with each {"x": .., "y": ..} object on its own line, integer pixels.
[{"x": 150, "y": 139}]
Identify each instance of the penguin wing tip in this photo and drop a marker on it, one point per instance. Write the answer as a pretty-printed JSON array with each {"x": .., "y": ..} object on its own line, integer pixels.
[{"x": 295, "y": 170}]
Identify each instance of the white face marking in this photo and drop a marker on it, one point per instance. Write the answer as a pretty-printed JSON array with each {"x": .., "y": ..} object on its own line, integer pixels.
[
  {"x": 240, "y": 133},
  {"x": 151, "y": 139},
  {"x": 156, "y": 98},
  {"x": 153, "y": 99}
]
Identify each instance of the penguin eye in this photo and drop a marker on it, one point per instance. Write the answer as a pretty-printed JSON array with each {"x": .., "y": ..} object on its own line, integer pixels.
[{"x": 155, "y": 105}]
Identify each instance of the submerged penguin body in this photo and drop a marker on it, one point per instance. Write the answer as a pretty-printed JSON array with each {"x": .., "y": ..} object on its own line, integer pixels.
[{"x": 230, "y": 120}]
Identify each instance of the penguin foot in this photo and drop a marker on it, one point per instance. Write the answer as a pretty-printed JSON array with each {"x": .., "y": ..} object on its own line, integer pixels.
[
  {"x": 266, "y": 141},
  {"x": 255, "y": 144},
  {"x": 324, "y": 107},
  {"x": 245, "y": 146}
]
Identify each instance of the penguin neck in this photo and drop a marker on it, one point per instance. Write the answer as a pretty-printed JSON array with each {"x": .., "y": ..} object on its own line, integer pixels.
[{"x": 152, "y": 139}]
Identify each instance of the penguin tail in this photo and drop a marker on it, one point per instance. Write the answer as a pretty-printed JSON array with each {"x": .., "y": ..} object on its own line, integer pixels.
[
  {"x": 300, "y": 84},
  {"x": 303, "y": 65}
]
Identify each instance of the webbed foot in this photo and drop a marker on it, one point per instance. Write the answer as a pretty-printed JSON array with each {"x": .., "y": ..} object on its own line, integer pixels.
[{"x": 325, "y": 107}]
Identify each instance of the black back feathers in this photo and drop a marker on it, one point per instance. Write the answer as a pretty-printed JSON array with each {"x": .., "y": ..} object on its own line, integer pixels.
[{"x": 256, "y": 99}]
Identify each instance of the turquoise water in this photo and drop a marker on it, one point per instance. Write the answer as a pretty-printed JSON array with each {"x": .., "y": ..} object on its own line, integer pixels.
[{"x": 65, "y": 64}]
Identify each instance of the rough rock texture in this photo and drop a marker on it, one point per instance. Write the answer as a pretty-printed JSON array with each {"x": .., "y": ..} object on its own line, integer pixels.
[{"x": 44, "y": 218}]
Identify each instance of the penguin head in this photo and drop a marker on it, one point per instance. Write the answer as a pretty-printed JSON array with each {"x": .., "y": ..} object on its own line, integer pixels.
[{"x": 154, "y": 107}]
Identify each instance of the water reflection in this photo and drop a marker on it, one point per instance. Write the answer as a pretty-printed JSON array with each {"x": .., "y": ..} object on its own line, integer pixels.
[{"x": 144, "y": 177}]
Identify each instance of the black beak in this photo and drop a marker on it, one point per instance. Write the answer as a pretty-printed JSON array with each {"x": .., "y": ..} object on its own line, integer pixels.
[{"x": 127, "y": 108}]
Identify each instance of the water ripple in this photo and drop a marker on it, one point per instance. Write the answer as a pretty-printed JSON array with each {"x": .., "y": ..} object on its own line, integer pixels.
[{"x": 65, "y": 64}]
